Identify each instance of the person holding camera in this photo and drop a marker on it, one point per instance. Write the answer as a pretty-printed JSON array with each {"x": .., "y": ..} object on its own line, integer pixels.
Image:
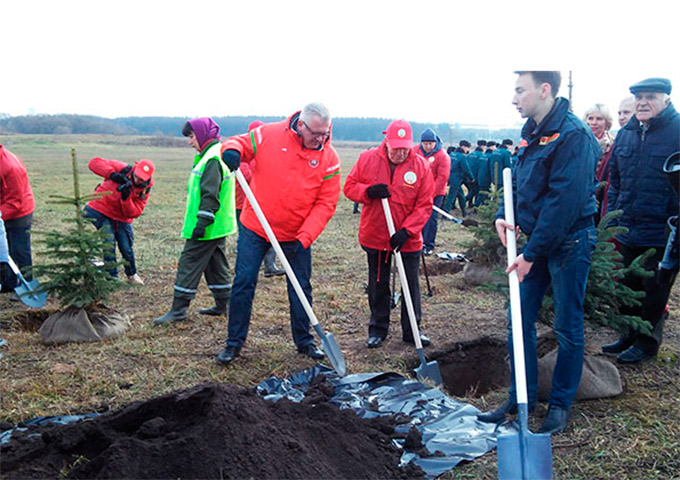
[{"x": 124, "y": 194}]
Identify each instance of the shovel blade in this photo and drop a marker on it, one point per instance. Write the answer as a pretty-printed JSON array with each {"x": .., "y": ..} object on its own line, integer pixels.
[
  {"x": 528, "y": 459},
  {"x": 30, "y": 295},
  {"x": 429, "y": 372},
  {"x": 332, "y": 350}
]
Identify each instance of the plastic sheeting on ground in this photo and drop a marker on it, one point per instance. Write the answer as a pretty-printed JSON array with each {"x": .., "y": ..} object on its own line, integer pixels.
[
  {"x": 446, "y": 425},
  {"x": 60, "y": 419}
]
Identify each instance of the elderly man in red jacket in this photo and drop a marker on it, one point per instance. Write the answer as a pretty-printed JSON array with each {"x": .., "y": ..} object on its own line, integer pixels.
[
  {"x": 296, "y": 180},
  {"x": 17, "y": 206},
  {"x": 393, "y": 170},
  {"x": 126, "y": 190}
]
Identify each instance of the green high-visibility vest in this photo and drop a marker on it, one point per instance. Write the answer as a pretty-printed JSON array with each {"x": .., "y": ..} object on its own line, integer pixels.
[{"x": 225, "y": 217}]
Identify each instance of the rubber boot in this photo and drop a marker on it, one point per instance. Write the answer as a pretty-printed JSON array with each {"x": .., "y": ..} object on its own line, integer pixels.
[
  {"x": 177, "y": 313},
  {"x": 270, "y": 269},
  {"x": 220, "y": 308}
]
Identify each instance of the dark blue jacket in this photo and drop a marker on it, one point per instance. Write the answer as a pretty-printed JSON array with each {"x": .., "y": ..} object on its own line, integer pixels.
[
  {"x": 639, "y": 186},
  {"x": 554, "y": 180},
  {"x": 460, "y": 171}
]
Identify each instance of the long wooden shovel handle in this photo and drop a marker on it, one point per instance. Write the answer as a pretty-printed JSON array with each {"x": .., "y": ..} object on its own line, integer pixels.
[
  {"x": 402, "y": 278},
  {"x": 515, "y": 305},
  {"x": 277, "y": 248}
]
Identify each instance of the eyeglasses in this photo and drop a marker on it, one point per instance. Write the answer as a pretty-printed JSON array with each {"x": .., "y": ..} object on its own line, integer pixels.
[{"x": 316, "y": 134}]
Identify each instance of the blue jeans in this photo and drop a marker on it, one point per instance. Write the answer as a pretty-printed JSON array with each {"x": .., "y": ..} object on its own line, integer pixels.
[
  {"x": 250, "y": 251},
  {"x": 18, "y": 233},
  {"x": 118, "y": 232},
  {"x": 430, "y": 229},
  {"x": 567, "y": 268}
]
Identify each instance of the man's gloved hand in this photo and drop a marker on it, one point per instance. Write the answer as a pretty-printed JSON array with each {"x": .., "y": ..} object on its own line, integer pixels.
[
  {"x": 379, "y": 190},
  {"x": 198, "y": 233},
  {"x": 398, "y": 239},
  {"x": 119, "y": 177},
  {"x": 125, "y": 190},
  {"x": 232, "y": 158}
]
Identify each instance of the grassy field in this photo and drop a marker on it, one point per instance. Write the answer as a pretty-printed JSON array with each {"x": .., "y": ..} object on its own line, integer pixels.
[{"x": 635, "y": 435}]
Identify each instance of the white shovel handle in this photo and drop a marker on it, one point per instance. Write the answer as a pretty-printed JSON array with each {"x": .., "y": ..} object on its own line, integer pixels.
[
  {"x": 515, "y": 305},
  {"x": 277, "y": 248},
  {"x": 403, "y": 279}
]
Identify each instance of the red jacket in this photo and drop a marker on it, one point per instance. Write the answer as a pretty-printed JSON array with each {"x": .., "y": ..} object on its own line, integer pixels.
[
  {"x": 16, "y": 195},
  {"x": 240, "y": 197},
  {"x": 112, "y": 205},
  {"x": 410, "y": 186},
  {"x": 440, "y": 164},
  {"x": 297, "y": 188}
]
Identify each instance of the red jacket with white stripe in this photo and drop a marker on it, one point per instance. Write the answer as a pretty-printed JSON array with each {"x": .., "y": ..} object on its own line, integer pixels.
[
  {"x": 410, "y": 185},
  {"x": 440, "y": 164},
  {"x": 16, "y": 195},
  {"x": 296, "y": 188},
  {"x": 112, "y": 205}
]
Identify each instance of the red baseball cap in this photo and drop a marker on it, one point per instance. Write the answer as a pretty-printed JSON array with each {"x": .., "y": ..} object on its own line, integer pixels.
[
  {"x": 399, "y": 134},
  {"x": 144, "y": 169}
]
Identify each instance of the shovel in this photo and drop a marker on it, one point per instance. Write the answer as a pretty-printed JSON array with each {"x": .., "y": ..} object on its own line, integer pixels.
[
  {"x": 466, "y": 223},
  {"x": 426, "y": 371},
  {"x": 522, "y": 455},
  {"x": 395, "y": 295},
  {"x": 28, "y": 292},
  {"x": 329, "y": 345}
]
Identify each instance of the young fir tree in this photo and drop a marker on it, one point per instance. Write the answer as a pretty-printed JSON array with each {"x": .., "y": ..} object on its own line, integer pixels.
[
  {"x": 605, "y": 294},
  {"x": 70, "y": 274}
]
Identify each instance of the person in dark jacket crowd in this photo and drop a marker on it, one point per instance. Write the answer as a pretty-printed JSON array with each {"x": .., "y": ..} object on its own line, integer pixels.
[
  {"x": 460, "y": 174},
  {"x": 430, "y": 148},
  {"x": 554, "y": 205},
  {"x": 127, "y": 189},
  {"x": 643, "y": 191},
  {"x": 17, "y": 206},
  {"x": 473, "y": 160},
  {"x": 392, "y": 170}
]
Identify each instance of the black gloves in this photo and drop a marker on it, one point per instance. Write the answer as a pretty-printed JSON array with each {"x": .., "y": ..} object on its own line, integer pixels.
[
  {"x": 125, "y": 190},
  {"x": 379, "y": 190},
  {"x": 232, "y": 158},
  {"x": 198, "y": 233},
  {"x": 119, "y": 177},
  {"x": 398, "y": 239}
]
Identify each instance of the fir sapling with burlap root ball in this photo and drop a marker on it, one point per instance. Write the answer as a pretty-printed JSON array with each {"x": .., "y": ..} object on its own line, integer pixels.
[{"x": 81, "y": 284}]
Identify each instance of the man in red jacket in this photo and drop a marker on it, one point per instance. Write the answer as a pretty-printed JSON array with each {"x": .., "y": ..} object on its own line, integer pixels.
[
  {"x": 17, "y": 206},
  {"x": 440, "y": 164},
  {"x": 296, "y": 181},
  {"x": 393, "y": 170},
  {"x": 126, "y": 190}
]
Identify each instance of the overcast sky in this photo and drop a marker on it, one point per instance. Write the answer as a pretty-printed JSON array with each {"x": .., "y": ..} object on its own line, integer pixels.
[{"x": 427, "y": 61}]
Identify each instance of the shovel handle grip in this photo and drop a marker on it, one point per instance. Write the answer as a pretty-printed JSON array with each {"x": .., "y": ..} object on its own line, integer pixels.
[
  {"x": 404, "y": 281},
  {"x": 515, "y": 305},
  {"x": 447, "y": 215},
  {"x": 277, "y": 247}
]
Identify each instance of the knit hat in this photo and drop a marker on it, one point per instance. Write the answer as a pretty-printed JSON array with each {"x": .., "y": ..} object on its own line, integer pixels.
[{"x": 428, "y": 136}]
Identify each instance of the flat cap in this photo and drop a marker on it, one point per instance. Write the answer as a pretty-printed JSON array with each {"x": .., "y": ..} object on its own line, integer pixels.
[{"x": 662, "y": 85}]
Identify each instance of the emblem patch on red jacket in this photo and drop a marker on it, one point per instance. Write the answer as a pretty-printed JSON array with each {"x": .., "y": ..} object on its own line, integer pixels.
[
  {"x": 313, "y": 162},
  {"x": 410, "y": 178}
]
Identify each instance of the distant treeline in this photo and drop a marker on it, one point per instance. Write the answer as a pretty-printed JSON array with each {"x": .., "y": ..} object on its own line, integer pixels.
[{"x": 344, "y": 128}]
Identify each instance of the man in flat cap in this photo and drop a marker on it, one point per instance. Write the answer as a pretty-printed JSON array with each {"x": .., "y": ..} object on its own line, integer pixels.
[{"x": 644, "y": 192}]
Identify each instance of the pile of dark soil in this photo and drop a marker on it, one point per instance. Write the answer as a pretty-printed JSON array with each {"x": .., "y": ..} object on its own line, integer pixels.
[{"x": 212, "y": 431}]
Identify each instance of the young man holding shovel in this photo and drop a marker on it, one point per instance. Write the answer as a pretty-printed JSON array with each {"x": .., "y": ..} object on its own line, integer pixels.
[
  {"x": 296, "y": 182},
  {"x": 554, "y": 207},
  {"x": 393, "y": 170}
]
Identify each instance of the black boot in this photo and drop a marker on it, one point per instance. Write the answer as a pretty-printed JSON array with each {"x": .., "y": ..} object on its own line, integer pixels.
[
  {"x": 619, "y": 346},
  {"x": 270, "y": 269},
  {"x": 497, "y": 415},
  {"x": 220, "y": 308},
  {"x": 177, "y": 313}
]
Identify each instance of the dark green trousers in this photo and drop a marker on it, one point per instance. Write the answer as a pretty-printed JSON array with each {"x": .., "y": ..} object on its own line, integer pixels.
[{"x": 206, "y": 257}]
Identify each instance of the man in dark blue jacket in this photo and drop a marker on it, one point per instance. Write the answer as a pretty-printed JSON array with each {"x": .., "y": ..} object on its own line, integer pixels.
[
  {"x": 644, "y": 192},
  {"x": 460, "y": 173},
  {"x": 554, "y": 206}
]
